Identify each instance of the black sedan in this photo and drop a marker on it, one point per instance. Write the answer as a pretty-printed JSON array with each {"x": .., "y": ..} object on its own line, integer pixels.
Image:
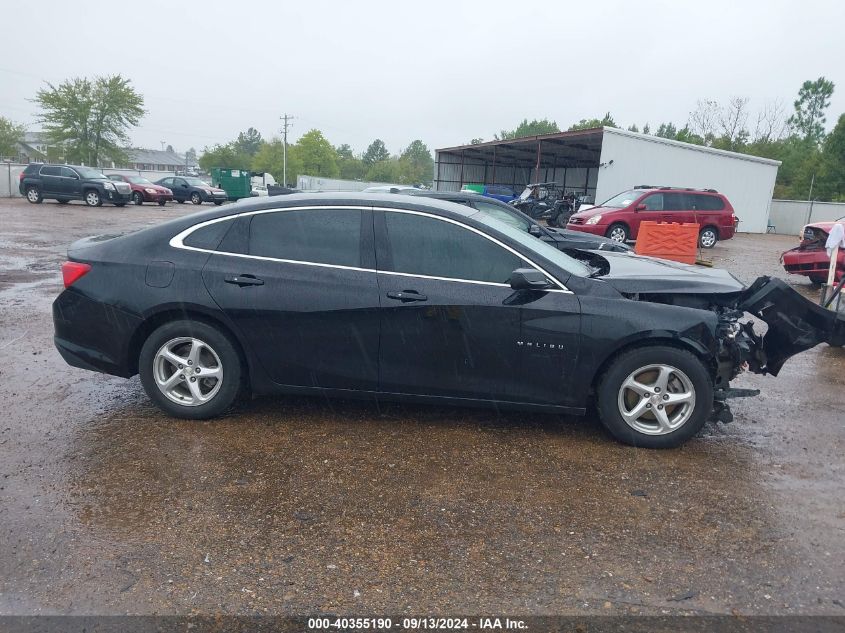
[
  {"x": 187, "y": 188},
  {"x": 562, "y": 239},
  {"x": 388, "y": 297}
]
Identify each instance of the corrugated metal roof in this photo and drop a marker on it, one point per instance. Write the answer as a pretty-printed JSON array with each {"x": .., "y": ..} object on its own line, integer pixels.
[{"x": 156, "y": 157}]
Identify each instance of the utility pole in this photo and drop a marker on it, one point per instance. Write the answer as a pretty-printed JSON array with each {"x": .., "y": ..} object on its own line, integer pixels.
[{"x": 285, "y": 127}]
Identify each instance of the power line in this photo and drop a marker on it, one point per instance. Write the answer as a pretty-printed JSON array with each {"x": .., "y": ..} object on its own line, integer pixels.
[{"x": 286, "y": 118}]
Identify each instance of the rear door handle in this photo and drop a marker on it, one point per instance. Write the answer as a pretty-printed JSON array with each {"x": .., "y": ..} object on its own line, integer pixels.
[
  {"x": 406, "y": 296},
  {"x": 243, "y": 280}
]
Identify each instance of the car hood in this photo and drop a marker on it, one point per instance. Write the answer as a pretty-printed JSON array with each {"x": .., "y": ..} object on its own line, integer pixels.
[
  {"x": 631, "y": 273},
  {"x": 587, "y": 213}
]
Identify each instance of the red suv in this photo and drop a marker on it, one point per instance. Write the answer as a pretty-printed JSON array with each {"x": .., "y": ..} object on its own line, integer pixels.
[{"x": 619, "y": 218}]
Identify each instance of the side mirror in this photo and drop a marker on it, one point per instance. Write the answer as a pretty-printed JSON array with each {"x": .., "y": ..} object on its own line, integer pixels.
[
  {"x": 528, "y": 279},
  {"x": 535, "y": 230},
  {"x": 640, "y": 207}
]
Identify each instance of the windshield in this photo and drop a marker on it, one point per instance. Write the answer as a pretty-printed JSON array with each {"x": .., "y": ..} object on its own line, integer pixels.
[
  {"x": 532, "y": 244},
  {"x": 196, "y": 182},
  {"x": 525, "y": 193},
  {"x": 88, "y": 173},
  {"x": 621, "y": 200},
  {"x": 138, "y": 180}
]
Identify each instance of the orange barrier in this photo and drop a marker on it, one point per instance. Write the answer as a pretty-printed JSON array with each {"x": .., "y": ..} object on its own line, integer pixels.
[{"x": 666, "y": 240}]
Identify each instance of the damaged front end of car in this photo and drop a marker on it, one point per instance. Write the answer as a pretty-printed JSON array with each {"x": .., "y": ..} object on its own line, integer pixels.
[{"x": 793, "y": 323}]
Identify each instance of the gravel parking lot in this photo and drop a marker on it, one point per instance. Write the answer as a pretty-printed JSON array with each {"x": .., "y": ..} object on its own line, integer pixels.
[{"x": 294, "y": 505}]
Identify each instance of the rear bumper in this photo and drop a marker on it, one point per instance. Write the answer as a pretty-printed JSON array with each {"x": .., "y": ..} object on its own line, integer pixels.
[
  {"x": 726, "y": 232},
  {"x": 93, "y": 335}
]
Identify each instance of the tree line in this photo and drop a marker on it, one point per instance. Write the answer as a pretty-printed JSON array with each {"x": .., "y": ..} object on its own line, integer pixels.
[
  {"x": 88, "y": 120},
  {"x": 314, "y": 155},
  {"x": 809, "y": 156}
]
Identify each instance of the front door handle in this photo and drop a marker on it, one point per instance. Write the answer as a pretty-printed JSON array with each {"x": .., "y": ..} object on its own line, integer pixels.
[
  {"x": 243, "y": 280},
  {"x": 406, "y": 296}
]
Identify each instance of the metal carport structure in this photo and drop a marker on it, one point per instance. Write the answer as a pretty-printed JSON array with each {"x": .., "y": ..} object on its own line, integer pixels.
[{"x": 571, "y": 159}]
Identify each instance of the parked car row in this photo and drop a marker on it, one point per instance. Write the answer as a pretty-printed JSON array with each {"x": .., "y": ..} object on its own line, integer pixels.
[{"x": 64, "y": 183}]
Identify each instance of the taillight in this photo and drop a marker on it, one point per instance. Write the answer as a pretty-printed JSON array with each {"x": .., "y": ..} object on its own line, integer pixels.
[{"x": 73, "y": 272}]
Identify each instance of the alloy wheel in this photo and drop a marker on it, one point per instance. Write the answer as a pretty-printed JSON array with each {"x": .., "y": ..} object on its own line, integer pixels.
[
  {"x": 32, "y": 194},
  {"x": 708, "y": 238},
  {"x": 188, "y": 371},
  {"x": 656, "y": 399},
  {"x": 92, "y": 198},
  {"x": 617, "y": 234}
]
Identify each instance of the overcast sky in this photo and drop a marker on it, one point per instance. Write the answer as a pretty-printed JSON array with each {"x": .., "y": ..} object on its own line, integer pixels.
[{"x": 444, "y": 72}]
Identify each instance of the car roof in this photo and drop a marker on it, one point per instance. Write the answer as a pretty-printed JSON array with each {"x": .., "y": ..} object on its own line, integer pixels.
[{"x": 466, "y": 196}]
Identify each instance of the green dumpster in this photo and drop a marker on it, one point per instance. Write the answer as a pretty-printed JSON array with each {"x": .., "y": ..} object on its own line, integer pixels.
[{"x": 235, "y": 182}]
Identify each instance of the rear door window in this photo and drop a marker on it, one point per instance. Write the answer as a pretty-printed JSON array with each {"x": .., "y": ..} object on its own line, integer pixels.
[
  {"x": 430, "y": 247},
  {"x": 674, "y": 202},
  {"x": 320, "y": 236},
  {"x": 51, "y": 170},
  {"x": 708, "y": 203},
  {"x": 67, "y": 172}
]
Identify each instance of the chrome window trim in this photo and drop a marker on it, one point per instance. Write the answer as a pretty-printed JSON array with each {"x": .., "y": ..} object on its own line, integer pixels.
[{"x": 177, "y": 241}]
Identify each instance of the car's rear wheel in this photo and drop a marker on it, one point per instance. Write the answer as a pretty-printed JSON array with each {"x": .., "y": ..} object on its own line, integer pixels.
[
  {"x": 33, "y": 194},
  {"x": 92, "y": 198},
  {"x": 618, "y": 232},
  {"x": 137, "y": 198},
  {"x": 196, "y": 198},
  {"x": 708, "y": 237},
  {"x": 655, "y": 397},
  {"x": 190, "y": 369}
]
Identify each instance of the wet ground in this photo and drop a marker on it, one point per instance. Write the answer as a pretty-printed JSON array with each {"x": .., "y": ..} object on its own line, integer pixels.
[{"x": 293, "y": 506}]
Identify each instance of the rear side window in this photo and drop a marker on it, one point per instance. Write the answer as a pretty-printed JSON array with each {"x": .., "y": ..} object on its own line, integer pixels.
[
  {"x": 208, "y": 237},
  {"x": 321, "y": 236},
  {"x": 51, "y": 170},
  {"x": 708, "y": 203},
  {"x": 421, "y": 245}
]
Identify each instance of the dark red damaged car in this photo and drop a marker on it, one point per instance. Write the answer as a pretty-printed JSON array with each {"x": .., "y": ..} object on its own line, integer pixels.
[{"x": 810, "y": 258}]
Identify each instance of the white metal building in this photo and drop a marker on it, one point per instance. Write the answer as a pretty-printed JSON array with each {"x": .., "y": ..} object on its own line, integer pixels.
[{"x": 602, "y": 162}]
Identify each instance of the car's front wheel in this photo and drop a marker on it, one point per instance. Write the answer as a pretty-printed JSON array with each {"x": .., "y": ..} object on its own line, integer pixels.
[
  {"x": 190, "y": 369},
  {"x": 708, "y": 237},
  {"x": 618, "y": 232},
  {"x": 196, "y": 198},
  {"x": 137, "y": 198},
  {"x": 655, "y": 397},
  {"x": 161, "y": 203},
  {"x": 92, "y": 198},
  {"x": 33, "y": 194}
]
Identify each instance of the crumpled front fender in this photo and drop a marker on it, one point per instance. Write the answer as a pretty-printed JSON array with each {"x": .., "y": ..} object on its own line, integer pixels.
[{"x": 795, "y": 324}]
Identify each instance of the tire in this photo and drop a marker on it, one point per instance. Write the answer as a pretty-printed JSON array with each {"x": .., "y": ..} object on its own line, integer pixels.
[
  {"x": 137, "y": 198},
  {"x": 161, "y": 203},
  {"x": 683, "y": 374},
  {"x": 33, "y": 195},
  {"x": 62, "y": 200},
  {"x": 818, "y": 280},
  {"x": 708, "y": 237},
  {"x": 218, "y": 202},
  {"x": 185, "y": 398},
  {"x": 618, "y": 233},
  {"x": 120, "y": 204},
  {"x": 181, "y": 201},
  {"x": 196, "y": 198},
  {"x": 92, "y": 198}
]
